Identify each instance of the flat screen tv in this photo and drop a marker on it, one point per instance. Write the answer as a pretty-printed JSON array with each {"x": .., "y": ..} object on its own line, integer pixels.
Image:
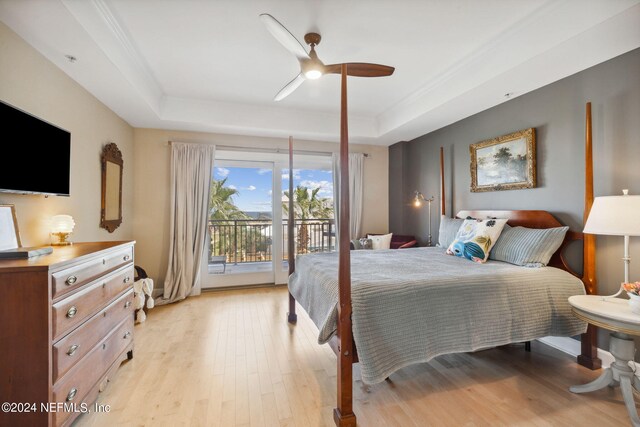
[{"x": 36, "y": 155}]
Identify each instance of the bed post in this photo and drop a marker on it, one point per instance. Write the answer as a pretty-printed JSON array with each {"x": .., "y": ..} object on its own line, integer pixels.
[
  {"x": 589, "y": 343},
  {"x": 343, "y": 415},
  {"x": 443, "y": 210},
  {"x": 292, "y": 317}
]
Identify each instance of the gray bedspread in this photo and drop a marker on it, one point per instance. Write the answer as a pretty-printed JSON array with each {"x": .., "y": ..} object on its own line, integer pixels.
[{"x": 411, "y": 305}]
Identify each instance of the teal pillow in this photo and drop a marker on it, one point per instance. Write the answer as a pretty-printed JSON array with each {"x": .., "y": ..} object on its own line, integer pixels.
[{"x": 528, "y": 247}]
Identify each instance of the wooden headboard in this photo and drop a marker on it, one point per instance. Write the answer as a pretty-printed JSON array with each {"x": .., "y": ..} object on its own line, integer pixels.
[{"x": 533, "y": 219}]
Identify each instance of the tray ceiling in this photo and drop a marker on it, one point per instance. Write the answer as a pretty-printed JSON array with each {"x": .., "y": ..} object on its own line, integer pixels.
[{"x": 212, "y": 66}]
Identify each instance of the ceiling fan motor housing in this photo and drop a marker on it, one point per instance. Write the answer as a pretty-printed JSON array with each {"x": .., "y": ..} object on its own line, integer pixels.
[{"x": 312, "y": 39}]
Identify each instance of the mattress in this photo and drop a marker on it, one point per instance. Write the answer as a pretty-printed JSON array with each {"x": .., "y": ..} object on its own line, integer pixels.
[{"x": 411, "y": 305}]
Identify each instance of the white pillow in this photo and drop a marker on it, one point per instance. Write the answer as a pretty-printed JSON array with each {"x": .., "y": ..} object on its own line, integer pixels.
[{"x": 381, "y": 242}]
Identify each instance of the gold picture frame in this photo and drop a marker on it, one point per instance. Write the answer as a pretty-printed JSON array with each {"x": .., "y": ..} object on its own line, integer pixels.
[
  {"x": 111, "y": 205},
  {"x": 507, "y": 162},
  {"x": 9, "y": 234}
]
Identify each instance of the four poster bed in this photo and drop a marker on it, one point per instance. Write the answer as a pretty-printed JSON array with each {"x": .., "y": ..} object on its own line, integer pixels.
[{"x": 416, "y": 303}]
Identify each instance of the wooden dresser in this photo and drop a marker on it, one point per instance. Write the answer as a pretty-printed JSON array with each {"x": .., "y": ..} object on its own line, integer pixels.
[{"x": 66, "y": 324}]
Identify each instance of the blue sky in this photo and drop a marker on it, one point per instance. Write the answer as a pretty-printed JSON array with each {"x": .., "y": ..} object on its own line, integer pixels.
[{"x": 254, "y": 185}]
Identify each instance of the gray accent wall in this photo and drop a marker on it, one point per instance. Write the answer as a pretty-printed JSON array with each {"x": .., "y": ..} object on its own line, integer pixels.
[{"x": 557, "y": 112}]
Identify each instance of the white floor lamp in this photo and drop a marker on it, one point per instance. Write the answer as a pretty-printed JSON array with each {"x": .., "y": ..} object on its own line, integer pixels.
[
  {"x": 616, "y": 216},
  {"x": 417, "y": 202}
]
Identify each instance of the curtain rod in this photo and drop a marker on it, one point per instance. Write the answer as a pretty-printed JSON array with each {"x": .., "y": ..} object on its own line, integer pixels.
[{"x": 273, "y": 150}]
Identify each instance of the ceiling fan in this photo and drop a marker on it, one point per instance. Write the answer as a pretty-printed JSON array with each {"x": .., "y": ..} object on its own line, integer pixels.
[{"x": 311, "y": 67}]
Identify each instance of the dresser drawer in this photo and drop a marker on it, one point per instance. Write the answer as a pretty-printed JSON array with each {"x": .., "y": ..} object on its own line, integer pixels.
[
  {"x": 71, "y": 311},
  {"x": 72, "y": 278},
  {"x": 70, "y": 349},
  {"x": 76, "y": 384}
]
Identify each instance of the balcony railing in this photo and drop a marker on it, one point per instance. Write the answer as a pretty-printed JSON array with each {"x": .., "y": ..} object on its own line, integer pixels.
[{"x": 251, "y": 240}]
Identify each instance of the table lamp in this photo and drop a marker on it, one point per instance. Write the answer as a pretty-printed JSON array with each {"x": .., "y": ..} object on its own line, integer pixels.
[
  {"x": 61, "y": 228},
  {"x": 417, "y": 202},
  {"x": 616, "y": 216}
]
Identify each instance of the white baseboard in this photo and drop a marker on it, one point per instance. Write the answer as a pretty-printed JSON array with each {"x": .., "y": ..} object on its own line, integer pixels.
[{"x": 572, "y": 347}]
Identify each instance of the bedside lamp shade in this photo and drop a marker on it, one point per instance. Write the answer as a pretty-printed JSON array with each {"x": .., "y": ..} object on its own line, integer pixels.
[{"x": 614, "y": 216}]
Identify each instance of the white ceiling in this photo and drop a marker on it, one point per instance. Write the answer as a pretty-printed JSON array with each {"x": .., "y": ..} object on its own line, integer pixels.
[{"x": 212, "y": 66}]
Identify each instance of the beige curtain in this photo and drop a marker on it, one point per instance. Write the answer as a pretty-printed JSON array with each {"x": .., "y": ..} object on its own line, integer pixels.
[
  {"x": 356, "y": 193},
  {"x": 191, "y": 166}
]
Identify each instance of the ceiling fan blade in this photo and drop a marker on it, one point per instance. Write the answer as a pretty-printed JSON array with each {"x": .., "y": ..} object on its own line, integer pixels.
[
  {"x": 284, "y": 36},
  {"x": 361, "y": 69},
  {"x": 290, "y": 87}
]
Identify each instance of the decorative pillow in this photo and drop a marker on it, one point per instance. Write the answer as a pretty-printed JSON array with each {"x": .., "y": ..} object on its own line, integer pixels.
[
  {"x": 380, "y": 242},
  {"x": 366, "y": 243},
  {"x": 529, "y": 247},
  {"x": 448, "y": 229},
  {"x": 475, "y": 238},
  {"x": 361, "y": 243}
]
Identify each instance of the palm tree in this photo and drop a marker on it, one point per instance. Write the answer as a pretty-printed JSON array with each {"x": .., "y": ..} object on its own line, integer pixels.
[
  {"x": 222, "y": 208},
  {"x": 307, "y": 205},
  {"x": 221, "y": 202}
]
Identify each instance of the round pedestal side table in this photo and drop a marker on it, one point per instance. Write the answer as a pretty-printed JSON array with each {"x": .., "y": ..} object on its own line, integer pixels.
[{"x": 615, "y": 315}]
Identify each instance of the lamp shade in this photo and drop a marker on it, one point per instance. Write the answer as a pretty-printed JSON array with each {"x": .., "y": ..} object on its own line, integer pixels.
[
  {"x": 615, "y": 216},
  {"x": 62, "y": 224}
]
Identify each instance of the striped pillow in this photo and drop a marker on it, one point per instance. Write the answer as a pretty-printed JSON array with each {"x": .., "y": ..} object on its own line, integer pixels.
[
  {"x": 528, "y": 247},
  {"x": 448, "y": 229}
]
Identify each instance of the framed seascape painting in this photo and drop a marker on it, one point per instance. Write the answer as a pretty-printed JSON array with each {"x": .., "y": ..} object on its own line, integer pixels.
[{"x": 507, "y": 162}]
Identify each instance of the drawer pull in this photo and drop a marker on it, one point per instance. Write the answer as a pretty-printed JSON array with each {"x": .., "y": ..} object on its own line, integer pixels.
[
  {"x": 127, "y": 279},
  {"x": 72, "y": 349},
  {"x": 126, "y": 335},
  {"x": 71, "y": 280},
  {"x": 72, "y": 311},
  {"x": 72, "y": 394},
  {"x": 126, "y": 258},
  {"x": 127, "y": 304},
  {"x": 104, "y": 261}
]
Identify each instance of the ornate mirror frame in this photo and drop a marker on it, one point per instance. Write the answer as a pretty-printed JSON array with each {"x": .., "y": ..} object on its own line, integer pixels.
[{"x": 111, "y": 207}]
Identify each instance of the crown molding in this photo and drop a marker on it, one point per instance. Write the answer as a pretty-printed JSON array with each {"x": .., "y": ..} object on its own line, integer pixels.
[{"x": 102, "y": 25}]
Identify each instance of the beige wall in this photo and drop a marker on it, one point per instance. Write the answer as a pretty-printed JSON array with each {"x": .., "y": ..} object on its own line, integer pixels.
[
  {"x": 32, "y": 83},
  {"x": 152, "y": 189}
]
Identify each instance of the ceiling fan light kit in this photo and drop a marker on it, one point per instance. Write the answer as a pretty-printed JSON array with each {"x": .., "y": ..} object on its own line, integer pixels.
[{"x": 311, "y": 67}]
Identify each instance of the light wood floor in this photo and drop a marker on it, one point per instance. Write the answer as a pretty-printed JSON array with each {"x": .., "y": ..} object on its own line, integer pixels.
[{"x": 230, "y": 359}]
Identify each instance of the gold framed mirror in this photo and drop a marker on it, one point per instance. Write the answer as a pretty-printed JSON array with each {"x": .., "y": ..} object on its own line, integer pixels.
[{"x": 111, "y": 209}]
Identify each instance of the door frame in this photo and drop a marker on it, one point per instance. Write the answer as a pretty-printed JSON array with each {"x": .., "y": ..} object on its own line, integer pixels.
[
  {"x": 213, "y": 281},
  {"x": 277, "y": 162}
]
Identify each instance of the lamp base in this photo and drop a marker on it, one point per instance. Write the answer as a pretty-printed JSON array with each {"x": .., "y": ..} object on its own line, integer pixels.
[{"x": 60, "y": 239}]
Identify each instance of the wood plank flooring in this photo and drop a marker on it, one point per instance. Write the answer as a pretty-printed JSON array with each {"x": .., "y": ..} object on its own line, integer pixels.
[{"x": 230, "y": 359}]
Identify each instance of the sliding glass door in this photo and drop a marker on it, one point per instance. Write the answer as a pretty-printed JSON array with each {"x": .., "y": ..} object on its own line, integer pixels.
[
  {"x": 240, "y": 249},
  {"x": 247, "y": 225}
]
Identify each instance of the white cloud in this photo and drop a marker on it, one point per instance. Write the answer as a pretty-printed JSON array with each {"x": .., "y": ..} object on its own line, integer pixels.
[
  {"x": 296, "y": 174},
  {"x": 251, "y": 187},
  {"x": 223, "y": 172},
  {"x": 326, "y": 187},
  {"x": 263, "y": 171},
  {"x": 233, "y": 187}
]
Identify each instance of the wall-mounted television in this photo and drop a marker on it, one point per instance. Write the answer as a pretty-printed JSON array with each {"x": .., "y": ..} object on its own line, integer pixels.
[{"x": 35, "y": 155}]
